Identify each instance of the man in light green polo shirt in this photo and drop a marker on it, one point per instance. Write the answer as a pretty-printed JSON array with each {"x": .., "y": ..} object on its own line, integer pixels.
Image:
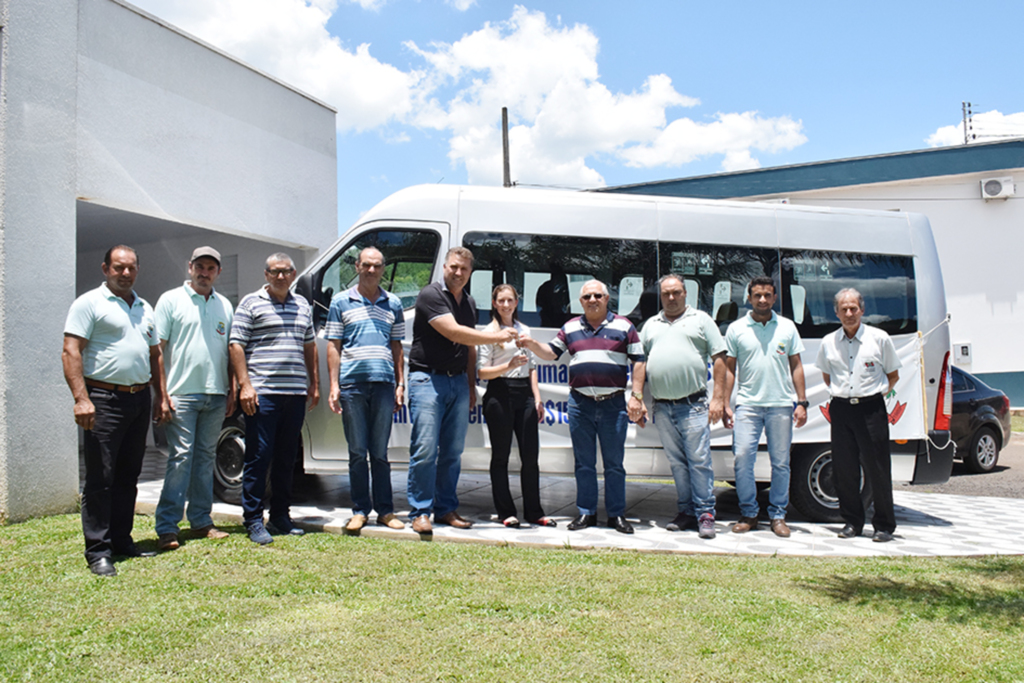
[
  {"x": 193, "y": 323},
  {"x": 678, "y": 344},
  {"x": 764, "y": 354},
  {"x": 110, "y": 354}
]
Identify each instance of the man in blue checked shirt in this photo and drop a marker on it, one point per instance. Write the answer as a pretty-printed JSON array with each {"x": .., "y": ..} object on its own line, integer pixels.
[
  {"x": 365, "y": 328},
  {"x": 273, "y": 355}
]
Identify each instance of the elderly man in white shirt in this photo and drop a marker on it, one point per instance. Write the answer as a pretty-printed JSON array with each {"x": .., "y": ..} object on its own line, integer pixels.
[{"x": 859, "y": 365}]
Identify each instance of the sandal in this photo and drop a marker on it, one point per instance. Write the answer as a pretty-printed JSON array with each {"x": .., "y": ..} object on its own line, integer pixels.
[
  {"x": 511, "y": 522},
  {"x": 544, "y": 521}
]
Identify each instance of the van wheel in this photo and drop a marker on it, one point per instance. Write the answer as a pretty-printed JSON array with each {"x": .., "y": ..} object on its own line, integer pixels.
[
  {"x": 812, "y": 489},
  {"x": 984, "y": 452},
  {"x": 227, "y": 468}
]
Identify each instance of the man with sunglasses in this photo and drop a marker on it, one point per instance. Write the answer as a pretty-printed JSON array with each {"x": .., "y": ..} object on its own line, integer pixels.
[
  {"x": 601, "y": 345},
  {"x": 274, "y": 358}
]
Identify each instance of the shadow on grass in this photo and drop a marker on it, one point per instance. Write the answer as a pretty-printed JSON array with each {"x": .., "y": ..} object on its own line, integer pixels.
[{"x": 987, "y": 593}]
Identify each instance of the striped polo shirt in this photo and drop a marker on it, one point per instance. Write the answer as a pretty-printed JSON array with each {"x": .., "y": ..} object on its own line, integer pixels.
[
  {"x": 600, "y": 357},
  {"x": 274, "y": 335},
  {"x": 366, "y": 330}
]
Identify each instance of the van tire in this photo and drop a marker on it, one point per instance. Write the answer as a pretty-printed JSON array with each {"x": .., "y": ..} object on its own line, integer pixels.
[
  {"x": 227, "y": 466},
  {"x": 812, "y": 490}
]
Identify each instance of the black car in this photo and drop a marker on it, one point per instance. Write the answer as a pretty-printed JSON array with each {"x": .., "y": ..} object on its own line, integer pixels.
[{"x": 980, "y": 423}]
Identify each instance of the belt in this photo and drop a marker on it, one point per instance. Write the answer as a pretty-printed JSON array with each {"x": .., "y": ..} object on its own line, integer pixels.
[
  {"x": 692, "y": 398},
  {"x": 447, "y": 373},
  {"x": 602, "y": 397},
  {"x": 854, "y": 400},
  {"x": 128, "y": 389}
]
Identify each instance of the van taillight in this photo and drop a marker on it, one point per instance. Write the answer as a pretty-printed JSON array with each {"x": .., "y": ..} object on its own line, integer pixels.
[{"x": 944, "y": 404}]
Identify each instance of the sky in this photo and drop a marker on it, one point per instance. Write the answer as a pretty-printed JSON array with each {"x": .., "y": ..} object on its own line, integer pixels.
[{"x": 606, "y": 93}]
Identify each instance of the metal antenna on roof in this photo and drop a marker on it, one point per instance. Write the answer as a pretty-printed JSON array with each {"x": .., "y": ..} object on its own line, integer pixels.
[
  {"x": 504, "y": 147},
  {"x": 968, "y": 115}
]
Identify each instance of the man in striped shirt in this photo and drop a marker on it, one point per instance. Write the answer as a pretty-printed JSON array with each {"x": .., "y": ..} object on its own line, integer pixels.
[
  {"x": 601, "y": 345},
  {"x": 365, "y": 328},
  {"x": 273, "y": 354}
]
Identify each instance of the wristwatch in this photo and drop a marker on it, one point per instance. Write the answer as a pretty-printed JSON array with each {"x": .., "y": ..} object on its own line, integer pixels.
[
  {"x": 638, "y": 396},
  {"x": 804, "y": 404}
]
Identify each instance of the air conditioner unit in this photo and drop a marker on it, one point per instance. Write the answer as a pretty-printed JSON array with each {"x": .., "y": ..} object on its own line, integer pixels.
[{"x": 997, "y": 188}]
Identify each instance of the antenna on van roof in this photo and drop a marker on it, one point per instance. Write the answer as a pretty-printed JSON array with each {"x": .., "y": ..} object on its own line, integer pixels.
[{"x": 504, "y": 148}]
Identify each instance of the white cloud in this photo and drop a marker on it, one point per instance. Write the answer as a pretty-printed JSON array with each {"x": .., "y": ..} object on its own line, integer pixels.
[
  {"x": 985, "y": 127},
  {"x": 563, "y": 117}
]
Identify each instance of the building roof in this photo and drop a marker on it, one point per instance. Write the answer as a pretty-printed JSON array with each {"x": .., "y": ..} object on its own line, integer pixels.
[{"x": 925, "y": 163}]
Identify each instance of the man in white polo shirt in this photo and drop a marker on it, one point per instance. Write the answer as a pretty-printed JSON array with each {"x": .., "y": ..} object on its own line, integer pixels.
[
  {"x": 111, "y": 352},
  {"x": 764, "y": 356},
  {"x": 193, "y": 322},
  {"x": 859, "y": 365}
]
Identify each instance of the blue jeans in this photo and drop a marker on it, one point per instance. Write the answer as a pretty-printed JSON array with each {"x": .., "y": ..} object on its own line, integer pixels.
[
  {"x": 439, "y": 406},
  {"x": 192, "y": 447},
  {"x": 272, "y": 438},
  {"x": 686, "y": 440},
  {"x": 589, "y": 421},
  {"x": 777, "y": 424},
  {"x": 366, "y": 413}
]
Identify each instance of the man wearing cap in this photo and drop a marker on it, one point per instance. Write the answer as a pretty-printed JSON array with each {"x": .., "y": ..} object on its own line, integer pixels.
[
  {"x": 193, "y": 322},
  {"x": 111, "y": 355},
  {"x": 273, "y": 355}
]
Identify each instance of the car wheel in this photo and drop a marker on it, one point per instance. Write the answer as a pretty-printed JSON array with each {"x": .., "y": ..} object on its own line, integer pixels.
[
  {"x": 812, "y": 490},
  {"x": 984, "y": 452},
  {"x": 227, "y": 469}
]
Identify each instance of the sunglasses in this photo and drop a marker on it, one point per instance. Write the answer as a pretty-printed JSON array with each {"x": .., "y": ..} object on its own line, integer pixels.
[{"x": 588, "y": 297}]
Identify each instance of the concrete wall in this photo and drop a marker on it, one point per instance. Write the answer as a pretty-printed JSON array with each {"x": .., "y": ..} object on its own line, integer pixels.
[
  {"x": 979, "y": 245},
  {"x": 38, "y": 464},
  {"x": 170, "y": 127}
]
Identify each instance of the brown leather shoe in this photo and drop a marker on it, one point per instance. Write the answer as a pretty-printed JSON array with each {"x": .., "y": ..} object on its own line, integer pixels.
[
  {"x": 167, "y": 542},
  {"x": 780, "y": 528},
  {"x": 209, "y": 532},
  {"x": 454, "y": 519},
  {"x": 355, "y": 524},
  {"x": 744, "y": 525},
  {"x": 391, "y": 521},
  {"x": 421, "y": 525}
]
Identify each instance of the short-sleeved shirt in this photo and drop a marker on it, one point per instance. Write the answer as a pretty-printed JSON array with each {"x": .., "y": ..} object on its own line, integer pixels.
[
  {"x": 196, "y": 331},
  {"x": 431, "y": 351},
  {"x": 762, "y": 351},
  {"x": 600, "y": 357},
  {"x": 366, "y": 329},
  {"x": 274, "y": 335},
  {"x": 118, "y": 336},
  {"x": 497, "y": 354},
  {"x": 857, "y": 367},
  {"x": 678, "y": 352}
]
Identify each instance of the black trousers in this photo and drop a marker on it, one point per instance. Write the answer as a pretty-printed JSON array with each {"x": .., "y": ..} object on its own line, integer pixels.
[
  {"x": 860, "y": 439},
  {"x": 114, "y": 449},
  {"x": 509, "y": 409}
]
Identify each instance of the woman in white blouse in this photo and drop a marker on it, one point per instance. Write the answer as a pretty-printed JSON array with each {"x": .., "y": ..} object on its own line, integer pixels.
[{"x": 512, "y": 405}]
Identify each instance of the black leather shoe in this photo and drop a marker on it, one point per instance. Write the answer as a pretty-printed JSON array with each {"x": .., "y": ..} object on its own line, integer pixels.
[
  {"x": 582, "y": 522},
  {"x": 620, "y": 524},
  {"x": 682, "y": 522},
  {"x": 133, "y": 551},
  {"x": 849, "y": 531},
  {"x": 103, "y": 567},
  {"x": 882, "y": 537}
]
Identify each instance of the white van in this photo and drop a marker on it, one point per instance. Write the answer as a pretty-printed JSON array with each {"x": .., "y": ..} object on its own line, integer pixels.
[{"x": 548, "y": 243}]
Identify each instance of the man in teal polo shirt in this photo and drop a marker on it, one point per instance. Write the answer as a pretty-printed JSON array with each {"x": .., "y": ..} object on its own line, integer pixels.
[
  {"x": 110, "y": 355},
  {"x": 679, "y": 343},
  {"x": 764, "y": 354},
  {"x": 193, "y": 322}
]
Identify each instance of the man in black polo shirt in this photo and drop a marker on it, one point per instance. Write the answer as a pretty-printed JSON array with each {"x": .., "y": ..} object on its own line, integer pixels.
[{"x": 442, "y": 391}]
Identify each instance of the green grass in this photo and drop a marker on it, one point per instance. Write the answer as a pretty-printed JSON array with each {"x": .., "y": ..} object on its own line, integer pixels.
[
  {"x": 1017, "y": 423},
  {"x": 334, "y": 608}
]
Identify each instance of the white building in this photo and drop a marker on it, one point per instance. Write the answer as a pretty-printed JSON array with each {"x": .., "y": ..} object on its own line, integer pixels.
[
  {"x": 116, "y": 127},
  {"x": 978, "y": 231}
]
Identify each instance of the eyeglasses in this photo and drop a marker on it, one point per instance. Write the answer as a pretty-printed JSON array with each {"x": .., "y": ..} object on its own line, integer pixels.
[
  {"x": 278, "y": 272},
  {"x": 588, "y": 297}
]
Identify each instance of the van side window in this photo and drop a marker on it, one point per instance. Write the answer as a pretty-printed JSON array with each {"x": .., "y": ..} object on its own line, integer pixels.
[
  {"x": 409, "y": 256},
  {"x": 716, "y": 276},
  {"x": 549, "y": 271},
  {"x": 810, "y": 280}
]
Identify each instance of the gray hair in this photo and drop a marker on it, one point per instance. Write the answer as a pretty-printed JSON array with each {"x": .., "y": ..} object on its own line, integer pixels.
[
  {"x": 604, "y": 287},
  {"x": 359, "y": 258},
  {"x": 671, "y": 276},
  {"x": 280, "y": 256},
  {"x": 843, "y": 293}
]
